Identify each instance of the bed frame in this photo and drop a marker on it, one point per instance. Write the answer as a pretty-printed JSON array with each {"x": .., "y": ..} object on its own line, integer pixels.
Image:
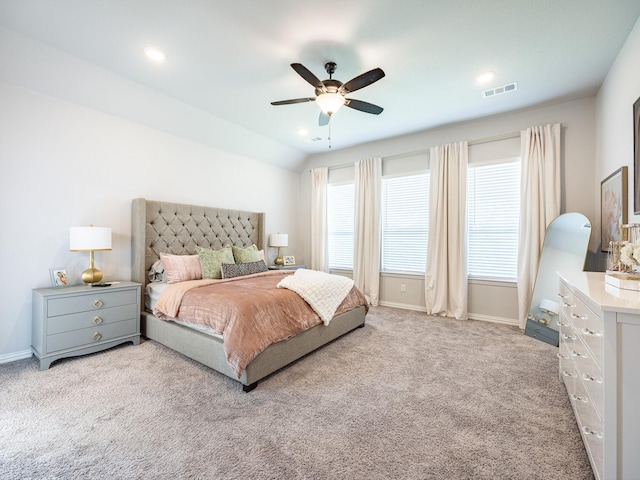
[{"x": 177, "y": 228}]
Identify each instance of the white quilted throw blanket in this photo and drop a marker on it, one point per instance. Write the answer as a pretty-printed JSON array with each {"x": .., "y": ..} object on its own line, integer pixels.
[{"x": 322, "y": 291}]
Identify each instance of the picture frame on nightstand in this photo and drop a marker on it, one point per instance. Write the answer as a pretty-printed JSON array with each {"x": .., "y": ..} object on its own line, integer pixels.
[
  {"x": 59, "y": 277},
  {"x": 289, "y": 260}
]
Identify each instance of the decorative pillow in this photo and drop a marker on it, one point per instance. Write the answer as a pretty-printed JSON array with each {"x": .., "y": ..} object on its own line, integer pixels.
[
  {"x": 156, "y": 272},
  {"x": 240, "y": 269},
  {"x": 211, "y": 260},
  {"x": 246, "y": 255},
  {"x": 180, "y": 268}
]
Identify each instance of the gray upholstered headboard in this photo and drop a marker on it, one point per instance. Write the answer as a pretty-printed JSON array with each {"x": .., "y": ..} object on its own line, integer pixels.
[{"x": 175, "y": 228}]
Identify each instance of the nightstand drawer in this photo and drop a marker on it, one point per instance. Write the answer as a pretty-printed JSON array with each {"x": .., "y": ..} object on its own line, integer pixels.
[
  {"x": 65, "y": 323},
  {"x": 541, "y": 332},
  {"x": 89, "y": 336},
  {"x": 88, "y": 302}
]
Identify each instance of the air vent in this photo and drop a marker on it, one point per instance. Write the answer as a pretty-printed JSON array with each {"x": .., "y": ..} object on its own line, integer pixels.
[
  {"x": 510, "y": 87},
  {"x": 313, "y": 140}
]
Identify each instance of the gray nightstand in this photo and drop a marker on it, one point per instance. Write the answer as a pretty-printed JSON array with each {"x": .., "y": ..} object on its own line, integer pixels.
[
  {"x": 542, "y": 332},
  {"x": 78, "y": 320},
  {"x": 286, "y": 267}
]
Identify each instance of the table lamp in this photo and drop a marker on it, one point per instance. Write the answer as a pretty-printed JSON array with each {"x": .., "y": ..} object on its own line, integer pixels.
[
  {"x": 279, "y": 240},
  {"x": 548, "y": 307},
  {"x": 90, "y": 239}
]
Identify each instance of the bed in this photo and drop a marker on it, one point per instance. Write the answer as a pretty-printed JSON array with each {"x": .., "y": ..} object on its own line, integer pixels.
[{"x": 164, "y": 227}]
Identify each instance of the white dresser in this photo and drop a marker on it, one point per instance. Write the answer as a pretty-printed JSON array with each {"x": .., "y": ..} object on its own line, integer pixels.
[{"x": 600, "y": 366}]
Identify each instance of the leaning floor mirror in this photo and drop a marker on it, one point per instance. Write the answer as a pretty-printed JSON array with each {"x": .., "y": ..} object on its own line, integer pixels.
[{"x": 565, "y": 249}]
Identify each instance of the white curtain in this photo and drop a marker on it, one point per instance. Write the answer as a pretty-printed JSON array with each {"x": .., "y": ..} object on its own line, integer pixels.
[
  {"x": 366, "y": 254},
  {"x": 540, "y": 204},
  {"x": 319, "y": 242},
  {"x": 446, "y": 274}
]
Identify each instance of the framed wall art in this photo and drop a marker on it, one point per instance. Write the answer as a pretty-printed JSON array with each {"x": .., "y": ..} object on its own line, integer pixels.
[{"x": 613, "y": 207}]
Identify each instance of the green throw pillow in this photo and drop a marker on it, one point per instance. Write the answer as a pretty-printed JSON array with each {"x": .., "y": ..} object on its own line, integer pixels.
[
  {"x": 212, "y": 260},
  {"x": 246, "y": 255}
]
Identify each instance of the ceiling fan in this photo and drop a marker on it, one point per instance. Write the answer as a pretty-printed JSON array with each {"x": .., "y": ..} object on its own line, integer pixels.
[{"x": 330, "y": 93}]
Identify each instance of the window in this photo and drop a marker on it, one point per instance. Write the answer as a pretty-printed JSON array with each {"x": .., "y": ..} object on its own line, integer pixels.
[
  {"x": 493, "y": 200},
  {"x": 340, "y": 222},
  {"x": 405, "y": 223}
]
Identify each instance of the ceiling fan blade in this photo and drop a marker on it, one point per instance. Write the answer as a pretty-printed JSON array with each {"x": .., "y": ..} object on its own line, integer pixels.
[
  {"x": 363, "y": 106},
  {"x": 305, "y": 73},
  {"x": 361, "y": 81},
  {"x": 294, "y": 100},
  {"x": 323, "y": 119}
]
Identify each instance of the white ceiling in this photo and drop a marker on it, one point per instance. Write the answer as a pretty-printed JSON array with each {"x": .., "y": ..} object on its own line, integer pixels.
[{"x": 231, "y": 57}]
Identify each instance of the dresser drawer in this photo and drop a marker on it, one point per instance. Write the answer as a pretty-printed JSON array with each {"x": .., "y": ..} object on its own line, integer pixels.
[
  {"x": 590, "y": 425},
  {"x": 90, "y": 302},
  {"x": 90, "y": 336},
  {"x": 74, "y": 321},
  {"x": 588, "y": 325}
]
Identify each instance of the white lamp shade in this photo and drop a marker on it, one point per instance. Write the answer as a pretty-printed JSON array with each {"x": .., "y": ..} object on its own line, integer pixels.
[
  {"x": 84, "y": 239},
  {"x": 549, "y": 306},
  {"x": 279, "y": 240},
  {"x": 330, "y": 103}
]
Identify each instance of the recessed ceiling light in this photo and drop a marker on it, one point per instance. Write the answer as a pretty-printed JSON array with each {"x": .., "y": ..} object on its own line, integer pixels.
[
  {"x": 154, "y": 54},
  {"x": 485, "y": 77},
  {"x": 303, "y": 132}
]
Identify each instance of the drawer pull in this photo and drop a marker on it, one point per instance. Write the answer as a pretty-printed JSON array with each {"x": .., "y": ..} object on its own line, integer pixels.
[
  {"x": 97, "y": 303},
  {"x": 568, "y": 305},
  {"x": 581, "y": 317},
  {"x": 97, "y": 336},
  {"x": 586, "y": 331},
  {"x": 562, "y": 296},
  {"x": 589, "y": 378},
  {"x": 567, "y": 337},
  {"x": 562, "y": 356},
  {"x": 97, "y": 320},
  {"x": 589, "y": 431},
  {"x": 576, "y": 398},
  {"x": 563, "y": 324},
  {"x": 568, "y": 374},
  {"x": 578, "y": 354}
]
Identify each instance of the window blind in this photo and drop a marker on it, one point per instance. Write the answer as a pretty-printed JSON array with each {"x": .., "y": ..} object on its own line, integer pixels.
[
  {"x": 405, "y": 223},
  {"x": 493, "y": 200},
  {"x": 340, "y": 223}
]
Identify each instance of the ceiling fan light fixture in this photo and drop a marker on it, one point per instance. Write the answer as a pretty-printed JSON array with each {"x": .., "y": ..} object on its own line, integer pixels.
[{"x": 330, "y": 103}]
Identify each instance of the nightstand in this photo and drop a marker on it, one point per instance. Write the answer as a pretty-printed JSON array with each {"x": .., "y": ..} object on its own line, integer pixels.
[
  {"x": 542, "y": 332},
  {"x": 286, "y": 267},
  {"x": 78, "y": 320}
]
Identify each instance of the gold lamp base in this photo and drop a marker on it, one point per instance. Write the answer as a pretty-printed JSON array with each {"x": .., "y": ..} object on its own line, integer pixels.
[
  {"x": 91, "y": 274},
  {"x": 279, "y": 260}
]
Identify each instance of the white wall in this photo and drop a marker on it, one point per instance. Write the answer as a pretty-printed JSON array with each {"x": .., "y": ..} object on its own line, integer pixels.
[
  {"x": 496, "y": 302},
  {"x": 65, "y": 165},
  {"x": 614, "y": 119}
]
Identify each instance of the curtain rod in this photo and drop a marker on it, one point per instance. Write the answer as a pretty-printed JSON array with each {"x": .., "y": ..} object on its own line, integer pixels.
[{"x": 476, "y": 141}]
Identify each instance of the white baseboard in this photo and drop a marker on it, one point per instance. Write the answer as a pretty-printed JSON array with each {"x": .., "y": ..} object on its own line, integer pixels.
[
  {"x": 12, "y": 357},
  {"x": 472, "y": 316}
]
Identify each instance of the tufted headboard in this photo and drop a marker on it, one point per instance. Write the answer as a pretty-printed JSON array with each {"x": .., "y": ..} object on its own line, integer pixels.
[{"x": 176, "y": 228}]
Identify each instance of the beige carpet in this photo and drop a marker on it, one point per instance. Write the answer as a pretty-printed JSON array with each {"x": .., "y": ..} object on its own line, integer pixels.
[{"x": 408, "y": 396}]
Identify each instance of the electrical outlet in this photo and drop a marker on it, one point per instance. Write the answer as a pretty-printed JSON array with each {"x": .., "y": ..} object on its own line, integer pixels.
[{"x": 403, "y": 287}]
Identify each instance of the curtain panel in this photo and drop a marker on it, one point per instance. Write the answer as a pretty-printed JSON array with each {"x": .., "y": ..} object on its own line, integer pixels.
[
  {"x": 319, "y": 240},
  {"x": 540, "y": 204},
  {"x": 446, "y": 273},
  {"x": 366, "y": 254}
]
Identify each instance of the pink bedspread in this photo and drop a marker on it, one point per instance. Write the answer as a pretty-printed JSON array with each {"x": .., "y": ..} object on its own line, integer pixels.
[{"x": 250, "y": 312}]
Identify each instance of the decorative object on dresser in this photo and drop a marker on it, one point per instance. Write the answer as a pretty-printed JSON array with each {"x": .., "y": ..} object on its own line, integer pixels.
[
  {"x": 279, "y": 240},
  {"x": 90, "y": 239},
  {"x": 59, "y": 278},
  {"x": 80, "y": 320},
  {"x": 565, "y": 248},
  {"x": 599, "y": 358},
  {"x": 613, "y": 207}
]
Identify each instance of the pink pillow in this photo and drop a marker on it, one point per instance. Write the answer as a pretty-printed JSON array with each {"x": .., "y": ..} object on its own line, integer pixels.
[{"x": 180, "y": 268}]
